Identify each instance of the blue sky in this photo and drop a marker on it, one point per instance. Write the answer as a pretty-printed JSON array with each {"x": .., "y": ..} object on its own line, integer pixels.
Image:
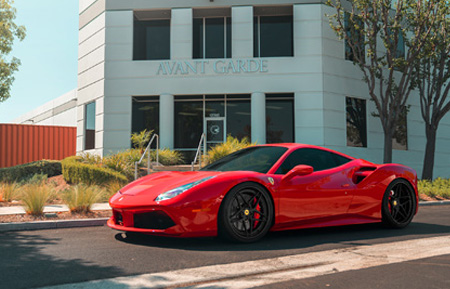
[{"x": 49, "y": 55}]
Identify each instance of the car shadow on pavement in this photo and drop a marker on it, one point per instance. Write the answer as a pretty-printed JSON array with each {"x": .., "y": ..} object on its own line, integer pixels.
[
  {"x": 327, "y": 238},
  {"x": 25, "y": 263}
]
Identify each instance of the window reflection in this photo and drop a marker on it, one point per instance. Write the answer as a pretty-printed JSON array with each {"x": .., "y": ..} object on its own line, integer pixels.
[
  {"x": 279, "y": 118},
  {"x": 151, "y": 39},
  {"x": 356, "y": 122},
  {"x": 400, "y": 138},
  {"x": 273, "y": 31},
  {"x": 89, "y": 135}
]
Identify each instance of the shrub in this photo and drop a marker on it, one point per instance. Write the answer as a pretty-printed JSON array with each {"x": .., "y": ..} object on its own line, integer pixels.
[
  {"x": 34, "y": 197},
  {"x": 9, "y": 191},
  {"x": 91, "y": 159},
  {"x": 123, "y": 162},
  {"x": 110, "y": 190},
  {"x": 75, "y": 172},
  {"x": 141, "y": 139},
  {"x": 35, "y": 179},
  {"x": 25, "y": 171},
  {"x": 167, "y": 157},
  {"x": 80, "y": 198},
  {"x": 231, "y": 145},
  {"x": 437, "y": 188}
]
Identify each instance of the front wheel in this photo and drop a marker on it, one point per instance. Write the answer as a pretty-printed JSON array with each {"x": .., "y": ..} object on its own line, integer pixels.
[
  {"x": 399, "y": 204},
  {"x": 246, "y": 214}
]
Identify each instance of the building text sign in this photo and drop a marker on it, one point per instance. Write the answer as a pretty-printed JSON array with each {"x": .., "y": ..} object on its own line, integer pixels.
[{"x": 221, "y": 66}]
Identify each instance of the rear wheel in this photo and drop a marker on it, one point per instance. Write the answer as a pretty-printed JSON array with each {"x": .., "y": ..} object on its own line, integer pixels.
[
  {"x": 399, "y": 204},
  {"x": 246, "y": 213}
]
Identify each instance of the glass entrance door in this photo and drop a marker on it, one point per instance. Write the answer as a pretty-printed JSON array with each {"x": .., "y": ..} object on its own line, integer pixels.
[{"x": 215, "y": 130}]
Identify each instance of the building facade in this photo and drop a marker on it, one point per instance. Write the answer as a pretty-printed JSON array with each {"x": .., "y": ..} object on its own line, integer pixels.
[{"x": 272, "y": 71}]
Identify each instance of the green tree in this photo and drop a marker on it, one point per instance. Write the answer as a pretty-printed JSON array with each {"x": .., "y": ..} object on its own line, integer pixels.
[
  {"x": 433, "y": 80},
  {"x": 373, "y": 30},
  {"x": 9, "y": 31}
]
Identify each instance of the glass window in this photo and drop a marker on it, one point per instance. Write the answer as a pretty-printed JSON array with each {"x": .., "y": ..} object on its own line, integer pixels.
[
  {"x": 188, "y": 123},
  {"x": 212, "y": 37},
  {"x": 318, "y": 159},
  {"x": 145, "y": 114},
  {"x": 151, "y": 39},
  {"x": 356, "y": 36},
  {"x": 400, "y": 139},
  {"x": 279, "y": 118},
  {"x": 356, "y": 122},
  {"x": 89, "y": 122},
  {"x": 256, "y": 159},
  {"x": 239, "y": 117},
  {"x": 273, "y": 36}
]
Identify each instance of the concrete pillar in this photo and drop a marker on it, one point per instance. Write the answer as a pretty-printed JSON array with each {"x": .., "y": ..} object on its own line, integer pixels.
[
  {"x": 242, "y": 37},
  {"x": 258, "y": 111},
  {"x": 166, "y": 121},
  {"x": 181, "y": 33}
]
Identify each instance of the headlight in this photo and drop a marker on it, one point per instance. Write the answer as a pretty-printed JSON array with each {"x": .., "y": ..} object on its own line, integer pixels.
[{"x": 177, "y": 191}]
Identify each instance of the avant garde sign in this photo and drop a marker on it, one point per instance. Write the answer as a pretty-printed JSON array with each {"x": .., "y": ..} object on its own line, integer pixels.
[{"x": 221, "y": 66}]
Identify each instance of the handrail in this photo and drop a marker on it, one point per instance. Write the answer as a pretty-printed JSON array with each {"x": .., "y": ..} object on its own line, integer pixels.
[
  {"x": 199, "y": 151},
  {"x": 149, "y": 165}
]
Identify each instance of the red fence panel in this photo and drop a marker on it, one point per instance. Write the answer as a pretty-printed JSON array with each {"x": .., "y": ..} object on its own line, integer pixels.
[{"x": 24, "y": 143}]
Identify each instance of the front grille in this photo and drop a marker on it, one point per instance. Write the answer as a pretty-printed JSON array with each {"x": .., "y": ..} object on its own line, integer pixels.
[{"x": 157, "y": 220}]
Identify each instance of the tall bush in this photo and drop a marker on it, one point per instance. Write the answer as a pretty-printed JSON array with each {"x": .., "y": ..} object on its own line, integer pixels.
[{"x": 231, "y": 145}]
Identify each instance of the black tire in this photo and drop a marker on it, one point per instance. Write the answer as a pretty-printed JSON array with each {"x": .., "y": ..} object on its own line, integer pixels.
[
  {"x": 246, "y": 213},
  {"x": 399, "y": 204}
]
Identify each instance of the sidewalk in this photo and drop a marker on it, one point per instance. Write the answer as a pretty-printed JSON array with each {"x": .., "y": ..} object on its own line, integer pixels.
[
  {"x": 50, "y": 209},
  {"x": 51, "y": 224}
]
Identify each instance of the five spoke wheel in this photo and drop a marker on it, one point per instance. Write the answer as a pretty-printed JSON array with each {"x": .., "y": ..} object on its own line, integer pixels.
[
  {"x": 246, "y": 213},
  {"x": 399, "y": 204}
]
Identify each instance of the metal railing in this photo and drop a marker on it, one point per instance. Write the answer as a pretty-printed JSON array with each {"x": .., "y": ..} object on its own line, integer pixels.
[
  {"x": 148, "y": 149},
  {"x": 199, "y": 152}
]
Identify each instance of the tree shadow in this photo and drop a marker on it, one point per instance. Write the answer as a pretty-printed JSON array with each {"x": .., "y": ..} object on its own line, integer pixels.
[
  {"x": 294, "y": 239},
  {"x": 25, "y": 265}
]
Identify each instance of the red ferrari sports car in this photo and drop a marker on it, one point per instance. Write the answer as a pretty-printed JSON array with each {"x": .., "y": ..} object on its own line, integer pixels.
[{"x": 267, "y": 187}]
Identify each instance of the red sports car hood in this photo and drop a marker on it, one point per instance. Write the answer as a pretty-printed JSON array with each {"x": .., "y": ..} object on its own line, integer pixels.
[{"x": 159, "y": 183}]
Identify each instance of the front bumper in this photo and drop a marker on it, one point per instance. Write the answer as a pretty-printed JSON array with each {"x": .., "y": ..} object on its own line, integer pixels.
[{"x": 158, "y": 221}]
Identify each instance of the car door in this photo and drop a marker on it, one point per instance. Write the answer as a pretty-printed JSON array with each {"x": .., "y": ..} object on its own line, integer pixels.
[{"x": 326, "y": 192}]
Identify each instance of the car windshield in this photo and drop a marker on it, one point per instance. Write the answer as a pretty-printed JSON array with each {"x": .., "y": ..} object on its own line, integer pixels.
[{"x": 257, "y": 159}]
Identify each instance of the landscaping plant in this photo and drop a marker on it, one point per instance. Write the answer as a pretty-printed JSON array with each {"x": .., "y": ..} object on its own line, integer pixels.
[
  {"x": 140, "y": 139},
  {"x": 9, "y": 191},
  {"x": 34, "y": 198},
  {"x": 81, "y": 197},
  {"x": 231, "y": 145}
]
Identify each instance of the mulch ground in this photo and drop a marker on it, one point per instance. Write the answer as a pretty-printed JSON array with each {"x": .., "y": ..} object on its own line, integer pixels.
[{"x": 54, "y": 216}]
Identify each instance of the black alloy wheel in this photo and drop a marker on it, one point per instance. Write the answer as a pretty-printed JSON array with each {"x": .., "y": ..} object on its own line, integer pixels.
[
  {"x": 399, "y": 204},
  {"x": 246, "y": 214}
]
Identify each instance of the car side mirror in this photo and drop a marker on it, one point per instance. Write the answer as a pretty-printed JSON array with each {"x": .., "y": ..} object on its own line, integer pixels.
[{"x": 300, "y": 170}]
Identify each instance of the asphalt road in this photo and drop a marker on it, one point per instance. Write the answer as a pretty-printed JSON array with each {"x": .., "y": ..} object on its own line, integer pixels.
[{"x": 51, "y": 257}]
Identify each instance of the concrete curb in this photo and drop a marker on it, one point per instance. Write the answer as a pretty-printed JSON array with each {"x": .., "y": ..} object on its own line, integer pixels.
[
  {"x": 434, "y": 203},
  {"x": 57, "y": 224}
]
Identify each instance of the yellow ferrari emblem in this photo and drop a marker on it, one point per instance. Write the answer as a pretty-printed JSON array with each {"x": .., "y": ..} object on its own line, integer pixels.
[
  {"x": 395, "y": 203},
  {"x": 271, "y": 180},
  {"x": 246, "y": 212}
]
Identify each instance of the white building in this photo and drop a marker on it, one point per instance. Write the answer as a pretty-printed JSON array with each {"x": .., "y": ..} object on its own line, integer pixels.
[{"x": 270, "y": 70}]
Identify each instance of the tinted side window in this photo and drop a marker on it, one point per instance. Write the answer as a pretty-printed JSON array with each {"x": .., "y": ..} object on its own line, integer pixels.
[{"x": 318, "y": 159}]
